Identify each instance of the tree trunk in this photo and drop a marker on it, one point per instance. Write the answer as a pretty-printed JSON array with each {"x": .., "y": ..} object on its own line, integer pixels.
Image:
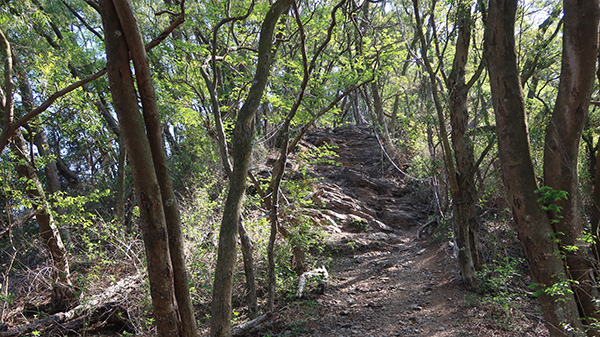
[
  {"x": 247, "y": 253},
  {"x": 242, "y": 150},
  {"x": 459, "y": 159},
  {"x": 378, "y": 107},
  {"x": 159, "y": 156},
  {"x": 245, "y": 241},
  {"x": 561, "y": 152},
  {"x": 63, "y": 295},
  {"x": 394, "y": 116},
  {"x": 595, "y": 218},
  {"x": 466, "y": 228},
  {"x": 532, "y": 222},
  {"x": 40, "y": 139},
  {"x": 358, "y": 117},
  {"x": 62, "y": 289},
  {"x": 51, "y": 169},
  {"x": 120, "y": 193},
  {"x": 152, "y": 216}
]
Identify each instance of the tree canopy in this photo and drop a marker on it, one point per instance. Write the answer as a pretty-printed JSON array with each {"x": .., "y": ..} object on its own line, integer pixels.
[{"x": 187, "y": 141}]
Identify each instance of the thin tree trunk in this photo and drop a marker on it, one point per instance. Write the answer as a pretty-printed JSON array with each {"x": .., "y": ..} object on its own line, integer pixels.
[
  {"x": 63, "y": 295},
  {"x": 40, "y": 139},
  {"x": 248, "y": 256},
  {"x": 152, "y": 216},
  {"x": 596, "y": 193},
  {"x": 466, "y": 228},
  {"x": 595, "y": 217},
  {"x": 279, "y": 167},
  {"x": 460, "y": 159},
  {"x": 51, "y": 169},
  {"x": 378, "y": 107},
  {"x": 358, "y": 117},
  {"x": 62, "y": 288},
  {"x": 246, "y": 242},
  {"x": 242, "y": 150},
  {"x": 120, "y": 193},
  {"x": 394, "y": 116}
]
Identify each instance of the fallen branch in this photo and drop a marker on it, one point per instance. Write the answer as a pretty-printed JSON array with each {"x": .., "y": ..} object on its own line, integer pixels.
[
  {"x": 98, "y": 309},
  {"x": 19, "y": 222},
  {"x": 422, "y": 227},
  {"x": 251, "y": 327}
]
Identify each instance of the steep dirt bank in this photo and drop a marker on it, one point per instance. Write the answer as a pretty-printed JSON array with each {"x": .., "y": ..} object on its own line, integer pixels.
[{"x": 383, "y": 280}]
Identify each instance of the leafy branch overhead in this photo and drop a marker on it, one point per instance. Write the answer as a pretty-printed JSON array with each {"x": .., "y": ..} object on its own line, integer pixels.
[{"x": 352, "y": 149}]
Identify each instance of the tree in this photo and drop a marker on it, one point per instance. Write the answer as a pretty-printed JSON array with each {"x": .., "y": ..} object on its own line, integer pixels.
[
  {"x": 459, "y": 153},
  {"x": 158, "y": 207},
  {"x": 242, "y": 149},
  {"x": 63, "y": 294},
  {"x": 549, "y": 230},
  {"x": 159, "y": 156}
]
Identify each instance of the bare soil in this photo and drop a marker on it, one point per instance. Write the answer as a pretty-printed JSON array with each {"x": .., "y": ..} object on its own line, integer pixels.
[{"x": 383, "y": 280}]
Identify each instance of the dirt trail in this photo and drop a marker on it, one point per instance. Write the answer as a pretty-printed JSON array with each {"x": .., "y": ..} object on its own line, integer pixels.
[{"x": 385, "y": 282}]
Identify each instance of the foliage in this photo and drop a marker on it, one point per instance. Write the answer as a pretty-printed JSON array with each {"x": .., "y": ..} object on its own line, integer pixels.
[
  {"x": 500, "y": 284},
  {"x": 548, "y": 197},
  {"x": 55, "y": 45}
]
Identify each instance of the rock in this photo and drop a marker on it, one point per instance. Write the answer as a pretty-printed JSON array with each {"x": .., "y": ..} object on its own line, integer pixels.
[
  {"x": 415, "y": 307},
  {"x": 381, "y": 226},
  {"x": 378, "y": 236}
]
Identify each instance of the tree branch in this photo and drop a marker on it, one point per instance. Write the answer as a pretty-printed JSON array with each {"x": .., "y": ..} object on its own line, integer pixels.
[
  {"x": 9, "y": 103},
  {"x": 19, "y": 222},
  {"x": 10, "y": 128},
  {"x": 82, "y": 20}
]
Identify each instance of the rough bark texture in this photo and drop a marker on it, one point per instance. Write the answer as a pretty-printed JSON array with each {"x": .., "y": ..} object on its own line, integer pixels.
[
  {"x": 242, "y": 150},
  {"x": 561, "y": 152},
  {"x": 465, "y": 197},
  {"x": 248, "y": 253},
  {"x": 120, "y": 193},
  {"x": 458, "y": 154},
  {"x": 532, "y": 222},
  {"x": 153, "y": 129},
  {"x": 153, "y": 223}
]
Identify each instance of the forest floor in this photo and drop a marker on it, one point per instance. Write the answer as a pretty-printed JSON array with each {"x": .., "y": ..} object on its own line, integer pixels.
[{"x": 384, "y": 281}]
